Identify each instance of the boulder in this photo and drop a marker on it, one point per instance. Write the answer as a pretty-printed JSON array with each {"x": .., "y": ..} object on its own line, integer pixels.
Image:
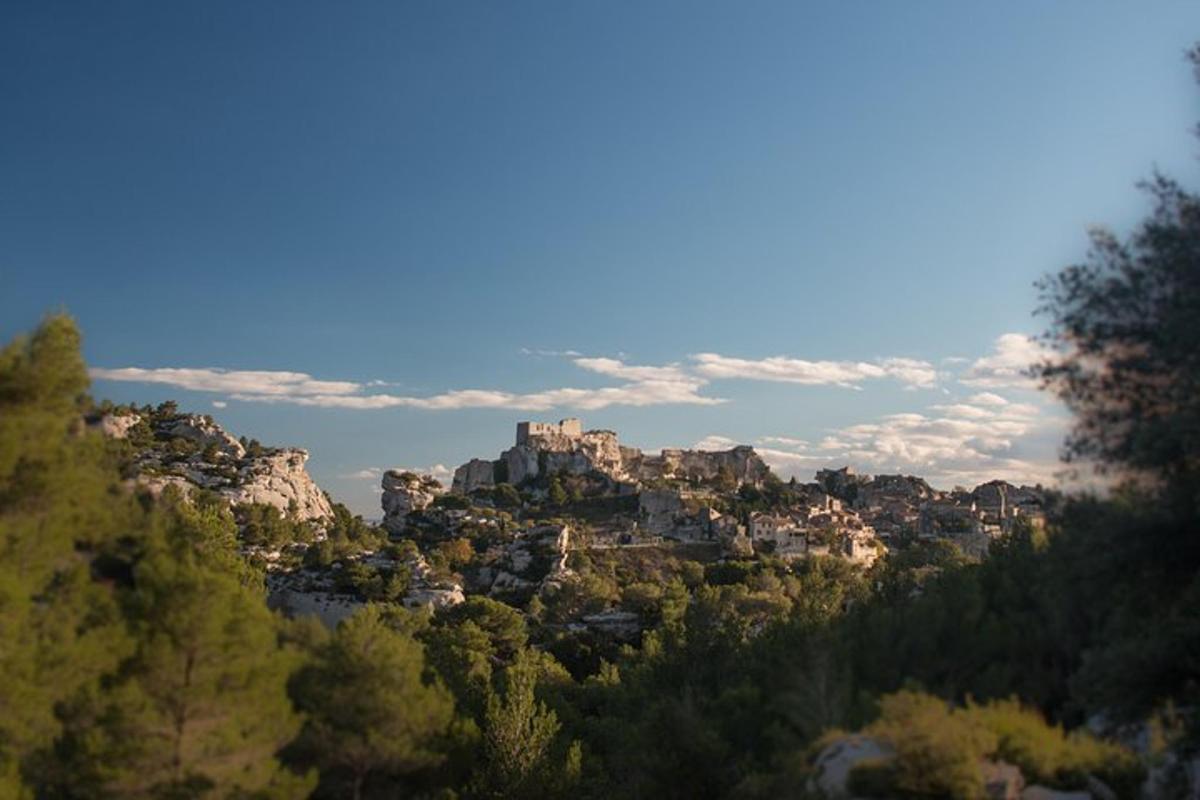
[{"x": 831, "y": 770}]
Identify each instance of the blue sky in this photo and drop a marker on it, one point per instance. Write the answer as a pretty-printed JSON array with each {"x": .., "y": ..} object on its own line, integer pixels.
[{"x": 441, "y": 197}]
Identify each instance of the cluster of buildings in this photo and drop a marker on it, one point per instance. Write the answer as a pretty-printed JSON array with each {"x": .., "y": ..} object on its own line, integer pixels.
[
  {"x": 856, "y": 517},
  {"x": 819, "y": 526},
  {"x": 903, "y": 505}
]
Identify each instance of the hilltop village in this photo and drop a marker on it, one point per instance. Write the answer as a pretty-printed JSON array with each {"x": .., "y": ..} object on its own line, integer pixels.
[
  {"x": 534, "y": 522},
  {"x": 696, "y": 496}
]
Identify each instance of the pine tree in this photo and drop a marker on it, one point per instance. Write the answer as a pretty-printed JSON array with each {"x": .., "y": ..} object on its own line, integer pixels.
[
  {"x": 518, "y": 734},
  {"x": 59, "y": 629},
  {"x": 202, "y": 706},
  {"x": 373, "y": 715}
]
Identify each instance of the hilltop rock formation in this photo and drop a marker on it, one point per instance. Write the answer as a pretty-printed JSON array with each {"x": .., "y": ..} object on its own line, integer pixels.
[
  {"x": 543, "y": 449},
  {"x": 742, "y": 463},
  {"x": 404, "y": 493},
  {"x": 206, "y": 433},
  {"x": 279, "y": 479},
  {"x": 116, "y": 426},
  {"x": 192, "y": 451}
]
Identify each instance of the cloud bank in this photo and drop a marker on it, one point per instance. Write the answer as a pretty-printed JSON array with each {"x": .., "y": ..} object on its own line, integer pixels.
[
  {"x": 635, "y": 385},
  {"x": 982, "y": 437},
  {"x": 644, "y": 386},
  {"x": 848, "y": 374}
]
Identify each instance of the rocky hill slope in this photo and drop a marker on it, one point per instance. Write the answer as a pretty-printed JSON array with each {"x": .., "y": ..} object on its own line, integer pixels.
[{"x": 167, "y": 448}]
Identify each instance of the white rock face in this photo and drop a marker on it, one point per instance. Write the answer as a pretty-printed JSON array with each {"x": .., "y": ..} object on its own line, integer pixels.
[
  {"x": 425, "y": 591},
  {"x": 117, "y": 427},
  {"x": 433, "y": 598},
  {"x": 329, "y": 608},
  {"x": 475, "y": 474},
  {"x": 404, "y": 493},
  {"x": 279, "y": 479},
  {"x": 548, "y": 544},
  {"x": 745, "y": 464},
  {"x": 200, "y": 429},
  {"x": 658, "y": 509},
  {"x": 521, "y": 463},
  {"x": 276, "y": 478}
]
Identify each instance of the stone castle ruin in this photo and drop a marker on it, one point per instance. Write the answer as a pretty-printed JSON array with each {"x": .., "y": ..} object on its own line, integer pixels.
[
  {"x": 570, "y": 428},
  {"x": 543, "y": 449}
]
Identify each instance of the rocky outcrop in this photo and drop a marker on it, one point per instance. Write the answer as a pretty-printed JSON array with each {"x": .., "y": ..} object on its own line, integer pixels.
[
  {"x": 202, "y": 430},
  {"x": 404, "y": 493},
  {"x": 192, "y": 451},
  {"x": 742, "y": 463},
  {"x": 115, "y": 426},
  {"x": 475, "y": 474},
  {"x": 537, "y": 558},
  {"x": 542, "y": 450},
  {"x": 279, "y": 479},
  {"x": 426, "y": 591},
  {"x": 292, "y": 600},
  {"x": 520, "y": 463}
]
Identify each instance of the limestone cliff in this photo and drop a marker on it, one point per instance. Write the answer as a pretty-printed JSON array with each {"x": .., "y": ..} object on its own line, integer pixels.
[
  {"x": 192, "y": 450},
  {"x": 279, "y": 479}
]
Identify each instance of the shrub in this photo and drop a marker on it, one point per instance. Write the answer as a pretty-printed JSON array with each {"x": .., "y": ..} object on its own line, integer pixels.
[{"x": 938, "y": 749}]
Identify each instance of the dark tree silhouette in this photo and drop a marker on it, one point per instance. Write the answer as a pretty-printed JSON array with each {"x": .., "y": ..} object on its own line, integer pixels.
[{"x": 1125, "y": 328}]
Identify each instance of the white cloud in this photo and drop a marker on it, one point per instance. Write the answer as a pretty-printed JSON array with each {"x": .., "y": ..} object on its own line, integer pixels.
[
  {"x": 786, "y": 441},
  {"x": 219, "y": 404},
  {"x": 1008, "y": 365},
  {"x": 646, "y": 386},
  {"x": 715, "y": 442},
  {"x": 242, "y": 382},
  {"x": 526, "y": 351},
  {"x": 987, "y": 399},
  {"x": 370, "y": 473},
  {"x": 984, "y": 437},
  {"x": 847, "y": 374},
  {"x": 618, "y": 369}
]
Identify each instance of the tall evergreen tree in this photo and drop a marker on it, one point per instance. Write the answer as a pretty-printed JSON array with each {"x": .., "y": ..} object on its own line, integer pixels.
[
  {"x": 59, "y": 501},
  {"x": 375, "y": 717}
]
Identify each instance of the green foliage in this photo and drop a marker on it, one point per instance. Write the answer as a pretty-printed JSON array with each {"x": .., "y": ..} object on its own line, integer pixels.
[
  {"x": 202, "y": 702},
  {"x": 374, "y": 718},
  {"x": 59, "y": 502},
  {"x": 1126, "y": 323},
  {"x": 1049, "y": 756},
  {"x": 452, "y": 501},
  {"x": 938, "y": 750},
  {"x": 266, "y": 526},
  {"x": 505, "y": 495},
  {"x": 518, "y": 736},
  {"x": 557, "y": 495}
]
